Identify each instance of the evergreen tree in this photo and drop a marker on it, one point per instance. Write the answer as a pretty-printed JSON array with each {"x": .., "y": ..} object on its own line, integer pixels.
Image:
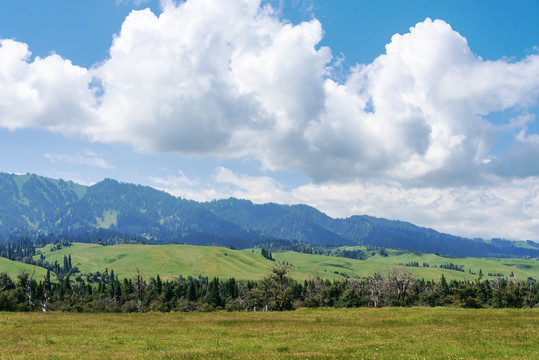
[
  {"x": 191, "y": 292},
  {"x": 213, "y": 297},
  {"x": 158, "y": 285}
]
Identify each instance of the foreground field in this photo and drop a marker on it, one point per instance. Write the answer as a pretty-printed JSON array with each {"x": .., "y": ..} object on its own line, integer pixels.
[
  {"x": 170, "y": 261},
  {"x": 387, "y": 333}
]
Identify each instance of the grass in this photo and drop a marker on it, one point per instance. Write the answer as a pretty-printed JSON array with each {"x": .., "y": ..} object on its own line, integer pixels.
[
  {"x": 326, "y": 267},
  {"x": 388, "y": 333},
  {"x": 14, "y": 268},
  {"x": 170, "y": 261}
]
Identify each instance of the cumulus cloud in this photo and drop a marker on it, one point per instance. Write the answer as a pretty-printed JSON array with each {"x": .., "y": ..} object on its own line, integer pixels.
[
  {"x": 47, "y": 92},
  {"x": 417, "y": 112},
  {"x": 210, "y": 77},
  {"x": 239, "y": 81},
  {"x": 232, "y": 79}
]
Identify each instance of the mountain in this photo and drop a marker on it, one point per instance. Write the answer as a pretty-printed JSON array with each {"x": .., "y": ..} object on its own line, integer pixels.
[{"x": 34, "y": 206}]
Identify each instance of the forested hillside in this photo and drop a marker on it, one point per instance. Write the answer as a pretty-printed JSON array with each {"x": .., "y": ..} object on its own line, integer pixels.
[{"x": 33, "y": 206}]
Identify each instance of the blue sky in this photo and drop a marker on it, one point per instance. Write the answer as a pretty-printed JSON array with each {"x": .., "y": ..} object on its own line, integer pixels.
[{"x": 423, "y": 111}]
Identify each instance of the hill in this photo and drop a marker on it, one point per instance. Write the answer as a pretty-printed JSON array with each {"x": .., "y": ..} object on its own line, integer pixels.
[
  {"x": 14, "y": 268},
  {"x": 35, "y": 206},
  {"x": 170, "y": 261}
]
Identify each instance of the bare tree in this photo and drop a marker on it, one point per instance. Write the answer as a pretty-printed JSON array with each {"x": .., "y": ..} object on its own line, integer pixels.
[
  {"x": 375, "y": 284},
  {"x": 140, "y": 289},
  {"x": 25, "y": 281},
  {"x": 400, "y": 280},
  {"x": 45, "y": 295}
]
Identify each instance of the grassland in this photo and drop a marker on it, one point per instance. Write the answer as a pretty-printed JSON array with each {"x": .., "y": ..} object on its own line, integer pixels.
[
  {"x": 14, "y": 268},
  {"x": 387, "y": 333},
  {"x": 170, "y": 261},
  {"x": 324, "y": 265}
]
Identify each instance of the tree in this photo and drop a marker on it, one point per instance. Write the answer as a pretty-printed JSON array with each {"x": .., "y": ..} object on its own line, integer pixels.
[
  {"x": 352, "y": 294},
  {"x": 25, "y": 282},
  {"x": 191, "y": 292},
  {"x": 278, "y": 288},
  {"x": 375, "y": 284},
  {"x": 45, "y": 300},
  {"x": 213, "y": 297},
  {"x": 5, "y": 282},
  {"x": 400, "y": 280},
  {"x": 140, "y": 288}
]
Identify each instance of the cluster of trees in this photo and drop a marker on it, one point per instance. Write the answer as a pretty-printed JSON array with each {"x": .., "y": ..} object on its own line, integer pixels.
[
  {"x": 17, "y": 250},
  {"x": 277, "y": 291},
  {"x": 308, "y": 248},
  {"x": 451, "y": 266},
  {"x": 267, "y": 254}
]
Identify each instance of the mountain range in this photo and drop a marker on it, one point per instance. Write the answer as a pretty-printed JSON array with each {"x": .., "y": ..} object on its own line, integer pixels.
[{"x": 35, "y": 206}]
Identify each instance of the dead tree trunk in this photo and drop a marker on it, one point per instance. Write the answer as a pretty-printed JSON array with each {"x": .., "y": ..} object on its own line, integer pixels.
[
  {"x": 139, "y": 290},
  {"x": 45, "y": 296}
]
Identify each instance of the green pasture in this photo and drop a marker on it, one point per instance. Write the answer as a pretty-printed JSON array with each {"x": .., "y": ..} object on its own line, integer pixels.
[
  {"x": 170, "y": 261},
  {"x": 328, "y": 266},
  {"x": 14, "y": 268},
  {"x": 365, "y": 333}
]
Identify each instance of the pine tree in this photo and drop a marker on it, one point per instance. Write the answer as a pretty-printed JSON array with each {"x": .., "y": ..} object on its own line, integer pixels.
[
  {"x": 191, "y": 292},
  {"x": 213, "y": 297},
  {"x": 159, "y": 285}
]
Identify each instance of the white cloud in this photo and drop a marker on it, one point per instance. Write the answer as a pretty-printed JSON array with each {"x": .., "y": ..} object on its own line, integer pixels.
[
  {"x": 230, "y": 79},
  {"x": 259, "y": 189},
  {"x": 428, "y": 95},
  {"x": 182, "y": 186},
  {"x": 505, "y": 208},
  {"x": 46, "y": 92},
  {"x": 87, "y": 158},
  {"x": 135, "y": 2}
]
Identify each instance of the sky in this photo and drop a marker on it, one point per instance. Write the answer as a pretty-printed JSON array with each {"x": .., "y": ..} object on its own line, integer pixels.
[{"x": 421, "y": 111}]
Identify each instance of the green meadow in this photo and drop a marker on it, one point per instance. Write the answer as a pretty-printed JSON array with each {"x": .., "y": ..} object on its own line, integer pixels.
[
  {"x": 170, "y": 261},
  {"x": 365, "y": 333},
  {"x": 14, "y": 268}
]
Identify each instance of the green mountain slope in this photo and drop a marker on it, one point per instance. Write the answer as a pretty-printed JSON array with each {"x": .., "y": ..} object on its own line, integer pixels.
[
  {"x": 170, "y": 261},
  {"x": 36, "y": 206}
]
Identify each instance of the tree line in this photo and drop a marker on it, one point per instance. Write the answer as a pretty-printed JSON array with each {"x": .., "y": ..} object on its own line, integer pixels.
[{"x": 277, "y": 291}]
